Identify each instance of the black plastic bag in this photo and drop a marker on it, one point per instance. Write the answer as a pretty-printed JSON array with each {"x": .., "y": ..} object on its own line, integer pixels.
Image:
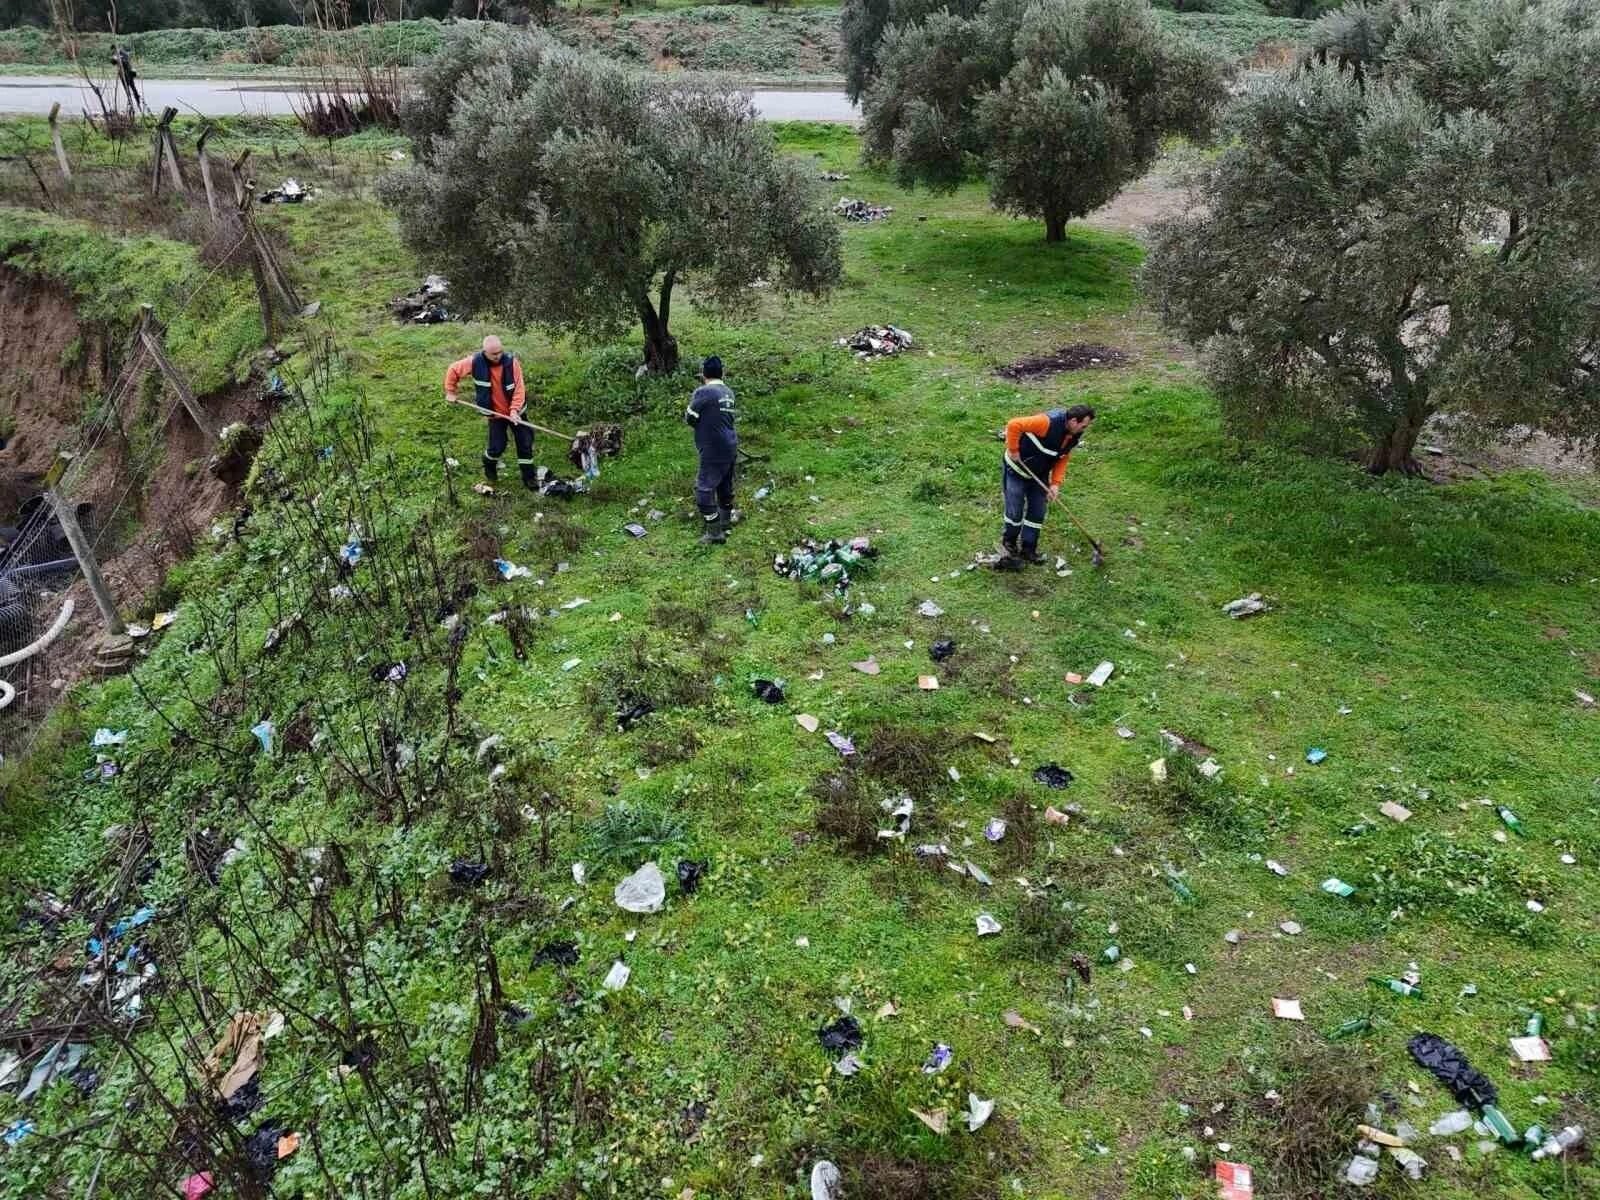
[
  {"x": 690, "y": 872},
  {"x": 467, "y": 873},
  {"x": 942, "y": 649},
  {"x": 633, "y": 713},
  {"x": 843, "y": 1034},
  {"x": 561, "y": 953},
  {"x": 1470, "y": 1086},
  {"x": 1052, "y": 776},
  {"x": 766, "y": 690}
]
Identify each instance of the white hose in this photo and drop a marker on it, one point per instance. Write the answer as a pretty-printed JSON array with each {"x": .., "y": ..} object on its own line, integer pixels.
[
  {"x": 49, "y": 636},
  {"x": 7, "y": 693}
]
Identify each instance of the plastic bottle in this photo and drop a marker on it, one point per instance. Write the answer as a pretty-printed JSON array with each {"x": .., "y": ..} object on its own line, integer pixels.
[
  {"x": 1503, "y": 1129},
  {"x": 1398, "y": 986},
  {"x": 1536, "y": 1025},
  {"x": 1510, "y": 820},
  {"x": 1567, "y": 1139}
]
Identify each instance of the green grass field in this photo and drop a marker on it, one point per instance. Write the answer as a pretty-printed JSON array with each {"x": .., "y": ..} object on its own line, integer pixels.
[{"x": 1428, "y": 637}]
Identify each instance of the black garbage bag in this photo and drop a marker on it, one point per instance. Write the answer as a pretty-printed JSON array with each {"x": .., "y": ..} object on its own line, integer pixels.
[
  {"x": 514, "y": 1015},
  {"x": 1052, "y": 776},
  {"x": 261, "y": 1150},
  {"x": 690, "y": 872},
  {"x": 389, "y": 672},
  {"x": 85, "y": 1079},
  {"x": 467, "y": 873},
  {"x": 1470, "y": 1086},
  {"x": 363, "y": 1054},
  {"x": 942, "y": 649},
  {"x": 766, "y": 689},
  {"x": 563, "y": 952},
  {"x": 244, "y": 1101},
  {"x": 631, "y": 713},
  {"x": 843, "y": 1034}
]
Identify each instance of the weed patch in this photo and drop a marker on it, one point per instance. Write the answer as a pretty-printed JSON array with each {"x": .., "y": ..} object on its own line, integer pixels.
[{"x": 1307, "y": 1134}]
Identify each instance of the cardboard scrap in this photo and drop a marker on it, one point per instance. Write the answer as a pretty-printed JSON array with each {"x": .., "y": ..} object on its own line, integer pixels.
[
  {"x": 1395, "y": 812},
  {"x": 868, "y": 667},
  {"x": 1017, "y": 1021},
  {"x": 928, "y": 683},
  {"x": 1530, "y": 1049},
  {"x": 938, "y": 1120},
  {"x": 807, "y": 722},
  {"x": 242, "y": 1044},
  {"x": 1374, "y": 1134},
  {"x": 1287, "y": 1010}
]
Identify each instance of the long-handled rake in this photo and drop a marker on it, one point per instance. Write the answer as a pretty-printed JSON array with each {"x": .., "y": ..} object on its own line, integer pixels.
[{"x": 1098, "y": 558}]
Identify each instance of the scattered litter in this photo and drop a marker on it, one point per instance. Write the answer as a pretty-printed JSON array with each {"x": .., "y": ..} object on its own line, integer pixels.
[
  {"x": 994, "y": 829},
  {"x": 510, "y": 570},
  {"x": 842, "y": 744},
  {"x": 16, "y": 1131},
  {"x": 263, "y": 732},
  {"x": 61, "y": 1059},
  {"x": 1055, "y": 816},
  {"x": 1530, "y": 1049},
  {"x": 1569, "y": 1138},
  {"x": 287, "y": 192},
  {"x": 939, "y": 1058},
  {"x": 867, "y": 666},
  {"x": 1451, "y": 1124},
  {"x": 1395, "y": 812},
  {"x": 1316, "y": 755},
  {"x": 1583, "y": 697},
  {"x": 929, "y": 609},
  {"x": 1337, "y": 887},
  {"x": 1098, "y": 676},
  {"x": 807, "y": 722},
  {"x": 428, "y": 305},
  {"x": 1449, "y": 1066},
  {"x": 848, "y": 1065},
  {"x": 987, "y": 925},
  {"x": 636, "y": 530},
  {"x": 1412, "y": 1162},
  {"x": 824, "y": 562},
  {"x": 1277, "y": 868},
  {"x": 577, "y": 602},
  {"x": 561, "y": 953},
  {"x": 928, "y": 683},
  {"x": 768, "y": 691},
  {"x": 938, "y": 1120},
  {"x": 645, "y": 891},
  {"x": 1361, "y": 1171},
  {"x": 803, "y": 942},
  {"x": 978, "y": 874},
  {"x": 1287, "y": 1010},
  {"x": 105, "y": 737},
  {"x": 239, "y": 1045},
  {"x": 1052, "y": 776},
  {"x": 860, "y": 210},
  {"x": 825, "y": 1181},
  {"x": 843, "y": 1034},
  {"x": 1233, "y": 1181},
  {"x": 467, "y": 873},
  {"x": 833, "y": 177},
  {"x": 978, "y": 1112},
  {"x": 1017, "y": 1021},
  {"x": 877, "y": 341},
  {"x": 1158, "y": 770},
  {"x": 1245, "y": 606},
  {"x": 1125, "y": 733},
  {"x": 941, "y": 649},
  {"x": 690, "y": 872},
  {"x": 616, "y": 978},
  {"x": 1292, "y": 928},
  {"x": 886, "y": 1010},
  {"x": 197, "y": 1186},
  {"x": 635, "y": 712},
  {"x": 571, "y": 664}
]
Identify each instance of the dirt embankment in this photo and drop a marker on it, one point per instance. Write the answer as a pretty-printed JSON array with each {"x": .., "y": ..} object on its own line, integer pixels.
[{"x": 142, "y": 470}]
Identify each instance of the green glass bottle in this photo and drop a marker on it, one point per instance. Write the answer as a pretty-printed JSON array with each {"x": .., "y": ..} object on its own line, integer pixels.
[{"x": 1399, "y": 986}]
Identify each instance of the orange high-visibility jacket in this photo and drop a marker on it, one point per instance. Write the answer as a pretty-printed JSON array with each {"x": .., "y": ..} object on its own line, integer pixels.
[
  {"x": 462, "y": 369},
  {"x": 1036, "y": 426}
]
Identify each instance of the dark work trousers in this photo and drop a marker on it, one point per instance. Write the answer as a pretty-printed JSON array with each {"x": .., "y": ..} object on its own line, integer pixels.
[
  {"x": 1025, "y": 504},
  {"x": 713, "y": 489},
  {"x": 499, "y": 427}
]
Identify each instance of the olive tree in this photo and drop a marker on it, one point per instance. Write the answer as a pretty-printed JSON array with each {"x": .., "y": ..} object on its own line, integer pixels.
[
  {"x": 1061, "y": 102},
  {"x": 1371, "y": 252},
  {"x": 558, "y": 188}
]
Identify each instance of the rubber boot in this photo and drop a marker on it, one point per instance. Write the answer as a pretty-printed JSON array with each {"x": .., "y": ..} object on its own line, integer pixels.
[
  {"x": 716, "y": 531},
  {"x": 530, "y": 476},
  {"x": 1031, "y": 556},
  {"x": 491, "y": 468}
]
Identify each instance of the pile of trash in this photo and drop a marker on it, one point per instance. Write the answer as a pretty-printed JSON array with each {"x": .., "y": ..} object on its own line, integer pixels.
[
  {"x": 590, "y": 445},
  {"x": 860, "y": 210},
  {"x": 824, "y": 562},
  {"x": 877, "y": 341},
  {"x": 428, "y": 305},
  {"x": 834, "y": 177},
  {"x": 548, "y": 483},
  {"x": 287, "y": 192}
]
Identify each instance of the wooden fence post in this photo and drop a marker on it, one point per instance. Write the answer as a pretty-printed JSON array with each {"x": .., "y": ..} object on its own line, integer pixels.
[
  {"x": 205, "y": 169},
  {"x": 55, "y": 138},
  {"x": 150, "y": 335},
  {"x": 81, "y": 549},
  {"x": 241, "y": 200}
]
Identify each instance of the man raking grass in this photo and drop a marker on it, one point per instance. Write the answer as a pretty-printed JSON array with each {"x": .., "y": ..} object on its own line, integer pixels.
[
  {"x": 497, "y": 379},
  {"x": 1037, "y": 449}
]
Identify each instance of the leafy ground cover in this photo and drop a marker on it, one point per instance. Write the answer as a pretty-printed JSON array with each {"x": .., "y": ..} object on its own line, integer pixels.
[{"x": 1428, "y": 638}]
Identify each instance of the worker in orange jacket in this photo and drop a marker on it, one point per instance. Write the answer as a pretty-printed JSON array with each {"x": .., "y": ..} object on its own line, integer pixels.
[
  {"x": 497, "y": 378},
  {"x": 1037, "y": 449}
]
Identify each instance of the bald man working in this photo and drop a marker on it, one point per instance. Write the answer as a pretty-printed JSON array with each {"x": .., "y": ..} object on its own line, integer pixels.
[{"x": 497, "y": 377}]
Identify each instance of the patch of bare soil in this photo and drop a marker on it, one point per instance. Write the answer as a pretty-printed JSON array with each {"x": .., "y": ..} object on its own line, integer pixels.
[
  {"x": 1445, "y": 460},
  {"x": 149, "y": 501},
  {"x": 1077, "y": 357},
  {"x": 1155, "y": 197}
]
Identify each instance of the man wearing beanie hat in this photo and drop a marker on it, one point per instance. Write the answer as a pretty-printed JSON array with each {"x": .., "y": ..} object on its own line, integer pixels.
[{"x": 711, "y": 415}]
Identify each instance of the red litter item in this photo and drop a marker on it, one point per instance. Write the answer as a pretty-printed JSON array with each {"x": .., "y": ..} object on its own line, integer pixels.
[
  {"x": 1233, "y": 1181},
  {"x": 197, "y": 1186}
]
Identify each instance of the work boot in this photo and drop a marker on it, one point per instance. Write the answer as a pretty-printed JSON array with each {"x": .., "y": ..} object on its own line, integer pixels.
[
  {"x": 530, "y": 476},
  {"x": 727, "y": 518},
  {"x": 716, "y": 530},
  {"x": 491, "y": 468},
  {"x": 1032, "y": 557}
]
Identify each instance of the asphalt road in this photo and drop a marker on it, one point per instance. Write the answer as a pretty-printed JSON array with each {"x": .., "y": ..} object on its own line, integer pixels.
[{"x": 34, "y": 94}]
